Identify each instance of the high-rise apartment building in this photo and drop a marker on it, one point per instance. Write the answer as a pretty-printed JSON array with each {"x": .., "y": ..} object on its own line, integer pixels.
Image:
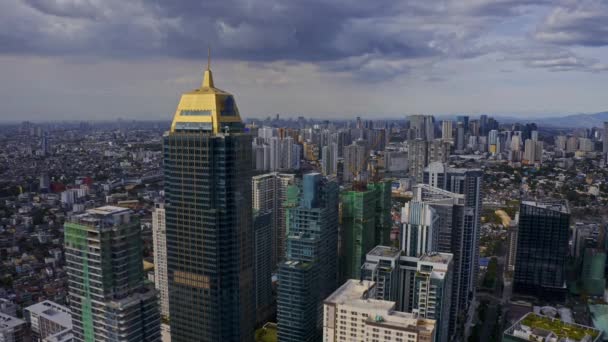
[
  {"x": 483, "y": 125},
  {"x": 421, "y": 285},
  {"x": 433, "y": 291},
  {"x": 310, "y": 271},
  {"x": 355, "y": 161},
  {"x": 571, "y": 144},
  {"x": 493, "y": 142},
  {"x": 103, "y": 251},
  {"x": 365, "y": 223},
  {"x": 460, "y": 137},
  {"x": 438, "y": 151},
  {"x": 446, "y": 130},
  {"x": 437, "y": 227},
  {"x": 420, "y": 228},
  {"x": 421, "y": 153},
  {"x": 560, "y": 142},
  {"x": 329, "y": 159},
  {"x": 586, "y": 145},
  {"x": 464, "y": 120},
  {"x": 269, "y": 194},
  {"x": 417, "y": 158},
  {"x": 353, "y": 314},
  {"x": 533, "y": 152},
  {"x": 159, "y": 239},
  {"x": 273, "y": 151},
  {"x": 395, "y": 162},
  {"x": 464, "y": 226},
  {"x": 542, "y": 248},
  {"x": 534, "y": 135},
  {"x": 422, "y": 127},
  {"x": 210, "y": 237}
]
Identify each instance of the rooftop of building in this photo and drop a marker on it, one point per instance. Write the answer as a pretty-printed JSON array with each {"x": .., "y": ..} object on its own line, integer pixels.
[
  {"x": 429, "y": 193},
  {"x": 8, "y": 322},
  {"x": 105, "y": 216},
  {"x": 351, "y": 290},
  {"x": 404, "y": 320},
  {"x": 107, "y": 210},
  {"x": 354, "y": 294},
  {"x": 53, "y": 312},
  {"x": 385, "y": 251},
  {"x": 436, "y": 257},
  {"x": 534, "y": 327},
  {"x": 554, "y": 205}
]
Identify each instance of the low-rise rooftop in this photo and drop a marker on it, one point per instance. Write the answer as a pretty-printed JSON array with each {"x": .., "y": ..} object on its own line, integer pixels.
[
  {"x": 9, "y": 322},
  {"x": 534, "y": 327},
  {"x": 53, "y": 312}
]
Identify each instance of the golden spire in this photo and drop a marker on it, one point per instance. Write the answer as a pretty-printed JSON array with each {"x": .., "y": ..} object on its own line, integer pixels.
[
  {"x": 207, "y": 109},
  {"x": 208, "y": 77}
]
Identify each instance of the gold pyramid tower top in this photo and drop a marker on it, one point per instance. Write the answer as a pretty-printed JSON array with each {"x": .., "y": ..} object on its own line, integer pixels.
[{"x": 207, "y": 109}]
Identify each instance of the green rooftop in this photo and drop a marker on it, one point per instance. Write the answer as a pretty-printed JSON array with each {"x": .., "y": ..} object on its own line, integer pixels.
[
  {"x": 559, "y": 328},
  {"x": 268, "y": 333}
]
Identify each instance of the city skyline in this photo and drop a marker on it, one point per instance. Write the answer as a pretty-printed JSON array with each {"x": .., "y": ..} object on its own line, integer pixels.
[
  {"x": 527, "y": 57},
  {"x": 403, "y": 171}
]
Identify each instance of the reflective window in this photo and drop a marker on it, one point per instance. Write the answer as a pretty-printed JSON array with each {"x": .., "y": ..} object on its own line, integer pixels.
[
  {"x": 195, "y": 113},
  {"x": 194, "y": 126}
]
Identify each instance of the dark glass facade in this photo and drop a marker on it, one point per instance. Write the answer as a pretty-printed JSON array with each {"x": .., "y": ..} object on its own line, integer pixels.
[
  {"x": 310, "y": 273},
  {"x": 210, "y": 236},
  {"x": 542, "y": 248}
]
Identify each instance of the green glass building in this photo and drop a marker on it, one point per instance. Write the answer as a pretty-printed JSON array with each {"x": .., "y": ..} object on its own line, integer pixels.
[
  {"x": 365, "y": 223},
  {"x": 109, "y": 299}
]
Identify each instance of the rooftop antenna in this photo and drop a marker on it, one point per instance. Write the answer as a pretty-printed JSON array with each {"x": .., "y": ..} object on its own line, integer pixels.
[{"x": 209, "y": 58}]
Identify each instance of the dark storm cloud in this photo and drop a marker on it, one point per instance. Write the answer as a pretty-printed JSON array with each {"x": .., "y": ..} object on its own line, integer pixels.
[
  {"x": 372, "y": 40},
  {"x": 581, "y": 23},
  {"x": 315, "y": 30},
  {"x": 293, "y": 30}
]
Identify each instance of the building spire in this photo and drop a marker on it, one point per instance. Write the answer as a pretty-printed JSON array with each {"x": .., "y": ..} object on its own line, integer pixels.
[{"x": 208, "y": 77}]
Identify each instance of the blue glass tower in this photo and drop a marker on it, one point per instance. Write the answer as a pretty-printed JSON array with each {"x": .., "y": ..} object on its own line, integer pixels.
[{"x": 310, "y": 271}]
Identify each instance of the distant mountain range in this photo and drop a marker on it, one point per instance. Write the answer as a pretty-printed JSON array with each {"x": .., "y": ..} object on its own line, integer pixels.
[{"x": 568, "y": 121}]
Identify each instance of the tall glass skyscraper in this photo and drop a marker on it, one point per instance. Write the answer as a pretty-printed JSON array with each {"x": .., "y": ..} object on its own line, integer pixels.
[
  {"x": 542, "y": 248},
  {"x": 310, "y": 271},
  {"x": 210, "y": 261}
]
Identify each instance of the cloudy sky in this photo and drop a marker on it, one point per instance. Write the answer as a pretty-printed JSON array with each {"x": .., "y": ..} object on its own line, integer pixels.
[{"x": 104, "y": 59}]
